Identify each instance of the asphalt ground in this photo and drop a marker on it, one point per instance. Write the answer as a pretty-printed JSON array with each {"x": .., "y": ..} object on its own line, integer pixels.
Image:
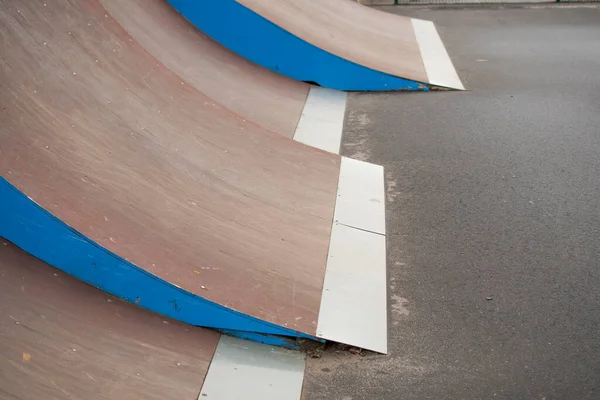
[{"x": 493, "y": 213}]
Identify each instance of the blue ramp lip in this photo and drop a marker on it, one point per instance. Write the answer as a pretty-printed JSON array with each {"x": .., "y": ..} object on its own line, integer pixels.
[
  {"x": 259, "y": 40},
  {"x": 41, "y": 234}
]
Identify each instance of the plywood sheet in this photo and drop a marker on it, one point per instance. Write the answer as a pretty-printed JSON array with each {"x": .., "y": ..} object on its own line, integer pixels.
[
  {"x": 101, "y": 134},
  {"x": 253, "y": 92},
  {"x": 371, "y": 38},
  {"x": 62, "y": 339}
]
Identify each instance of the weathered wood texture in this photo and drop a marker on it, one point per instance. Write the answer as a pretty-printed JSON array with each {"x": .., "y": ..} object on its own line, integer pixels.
[
  {"x": 254, "y": 93},
  {"x": 62, "y": 339},
  {"x": 105, "y": 137},
  {"x": 371, "y": 38}
]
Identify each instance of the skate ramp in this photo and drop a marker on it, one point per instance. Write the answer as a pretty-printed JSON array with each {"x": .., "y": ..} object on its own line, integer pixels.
[
  {"x": 335, "y": 43},
  {"x": 119, "y": 172},
  {"x": 252, "y": 92},
  {"x": 297, "y": 110},
  {"x": 63, "y": 339}
]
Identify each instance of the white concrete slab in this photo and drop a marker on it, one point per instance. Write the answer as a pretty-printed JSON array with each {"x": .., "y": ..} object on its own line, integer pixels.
[
  {"x": 438, "y": 64},
  {"x": 354, "y": 301},
  {"x": 361, "y": 196},
  {"x": 251, "y": 371},
  {"x": 322, "y": 119}
]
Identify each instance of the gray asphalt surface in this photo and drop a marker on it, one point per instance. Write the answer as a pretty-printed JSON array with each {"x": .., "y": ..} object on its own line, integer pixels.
[{"x": 492, "y": 193}]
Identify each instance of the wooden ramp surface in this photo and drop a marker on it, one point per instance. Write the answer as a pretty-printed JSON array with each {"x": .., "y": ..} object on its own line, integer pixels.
[
  {"x": 254, "y": 93},
  {"x": 123, "y": 163},
  {"x": 371, "y": 38},
  {"x": 392, "y": 44},
  {"x": 118, "y": 147},
  {"x": 62, "y": 339}
]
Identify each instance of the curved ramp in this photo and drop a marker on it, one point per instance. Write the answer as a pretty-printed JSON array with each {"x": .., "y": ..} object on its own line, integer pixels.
[
  {"x": 308, "y": 114},
  {"x": 336, "y": 43},
  {"x": 252, "y": 92},
  {"x": 62, "y": 339},
  {"x": 123, "y": 175}
]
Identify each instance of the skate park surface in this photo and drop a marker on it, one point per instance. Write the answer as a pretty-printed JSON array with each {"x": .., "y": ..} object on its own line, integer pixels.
[
  {"x": 377, "y": 132},
  {"x": 337, "y": 44},
  {"x": 112, "y": 161}
]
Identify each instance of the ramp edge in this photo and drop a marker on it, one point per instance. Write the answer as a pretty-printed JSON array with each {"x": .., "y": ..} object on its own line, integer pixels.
[
  {"x": 322, "y": 120},
  {"x": 246, "y": 370},
  {"x": 354, "y": 300},
  {"x": 259, "y": 40},
  {"x": 39, "y": 233},
  {"x": 438, "y": 65}
]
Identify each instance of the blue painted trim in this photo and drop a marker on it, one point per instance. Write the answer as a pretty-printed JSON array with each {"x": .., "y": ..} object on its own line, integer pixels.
[
  {"x": 44, "y": 236},
  {"x": 272, "y": 340},
  {"x": 259, "y": 40}
]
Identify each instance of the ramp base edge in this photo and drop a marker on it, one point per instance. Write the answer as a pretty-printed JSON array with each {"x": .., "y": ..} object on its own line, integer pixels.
[
  {"x": 264, "y": 43},
  {"x": 39, "y": 233},
  {"x": 354, "y": 302},
  {"x": 438, "y": 65},
  {"x": 242, "y": 370}
]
